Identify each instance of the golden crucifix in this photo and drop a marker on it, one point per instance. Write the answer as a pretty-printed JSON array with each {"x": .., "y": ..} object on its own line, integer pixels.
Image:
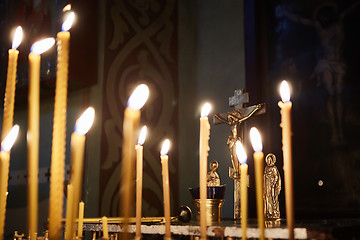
[{"x": 235, "y": 119}]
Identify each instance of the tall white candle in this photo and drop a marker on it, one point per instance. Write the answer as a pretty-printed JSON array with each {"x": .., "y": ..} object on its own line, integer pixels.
[
  {"x": 139, "y": 180},
  {"x": 59, "y": 130},
  {"x": 105, "y": 227},
  {"x": 33, "y": 130},
  {"x": 82, "y": 126},
  {"x": 259, "y": 178},
  {"x": 69, "y": 212},
  {"x": 166, "y": 191},
  {"x": 241, "y": 154},
  {"x": 203, "y": 155},
  {"x": 9, "y": 100},
  {"x": 6, "y": 145},
  {"x": 130, "y": 126},
  {"x": 285, "y": 111},
  {"x": 81, "y": 219}
]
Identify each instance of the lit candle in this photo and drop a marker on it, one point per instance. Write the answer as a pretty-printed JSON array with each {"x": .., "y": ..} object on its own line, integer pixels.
[
  {"x": 81, "y": 220},
  {"x": 69, "y": 212},
  {"x": 33, "y": 131},
  {"x": 166, "y": 192},
  {"x": 203, "y": 155},
  {"x": 9, "y": 99},
  {"x": 285, "y": 110},
  {"x": 67, "y": 8},
  {"x": 139, "y": 179},
  {"x": 105, "y": 228},
  {"x": 4, "y": 173},
  {"x": 259, "y": 178},
  {"x": 240, "y": 152},
  {"x": 130, "y": 126},
  {"x": 59, "y": 131},
  {"x": 82, "y": 126}
]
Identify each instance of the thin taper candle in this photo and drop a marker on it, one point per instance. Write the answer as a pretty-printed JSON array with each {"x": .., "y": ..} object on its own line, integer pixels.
[
  {"x": 139, "y": 180},
  {"x": 78, "y": 137},
  {"x": 59, "y": 131},
  {"x": 243, "y": 196},
  {"x": 105, "y": 228},
  {"x": 33, "y": 141},
  {"x": 285, "y": 111},
  {"x": 69, "y": 212},
  {"x": 33, "y": 131},
  {"x": 81, "y": 219},
  {"x": 259, "y": 178},
  {"x": 4, "y": 178},
  {"x": 77, "y": 159},
  {"x": 203, "y": 155},
  {"x": 4, "y": 173},
  {"x": 240, "y": 152},
  {"x": 166, "y": 191},
  {"x": 130, "y": 127},
  {"x": 9, "y": 100}
]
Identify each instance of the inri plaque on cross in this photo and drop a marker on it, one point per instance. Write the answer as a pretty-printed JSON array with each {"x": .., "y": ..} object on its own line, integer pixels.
[{"x": 234, "y": 120}]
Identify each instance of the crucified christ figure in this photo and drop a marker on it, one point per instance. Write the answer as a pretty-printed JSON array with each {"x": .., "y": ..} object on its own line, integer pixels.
[
  {"x": 234, "y": 120},
  {"x": 331, "y": 68}
]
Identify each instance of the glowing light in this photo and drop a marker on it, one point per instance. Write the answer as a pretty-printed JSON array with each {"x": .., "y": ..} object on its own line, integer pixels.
[
  {"x": 42, "y": 46},
  {"x": 17, "y": 38},
  {"x": 240, "y": 152},
  {"x": 205, "y": 110},
  {"x": 320, "y": 183},
  {"x": 138, "y": 97},
  {"x": 284, "y": 91},
  {"x": 67, "y": 8},
  {"x": 142, "y": 135},
  {"x": 68, "y": 22},
  {"x": 9, "y": 140},
  {"x": 256, "y": 139},
  {"x": 165, "y": 147},
  {"x": 85, "y": 121}
]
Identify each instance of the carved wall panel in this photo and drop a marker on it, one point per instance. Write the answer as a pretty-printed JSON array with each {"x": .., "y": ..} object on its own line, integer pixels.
[{"x": 141, "y": 47}]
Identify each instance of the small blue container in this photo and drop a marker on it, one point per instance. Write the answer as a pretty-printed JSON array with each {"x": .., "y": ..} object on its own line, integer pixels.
[{"x": 216, "y": 192}]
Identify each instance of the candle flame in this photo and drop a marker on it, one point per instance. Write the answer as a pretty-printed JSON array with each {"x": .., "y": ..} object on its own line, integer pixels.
[
  {"x": 17, "y": 37},
  {"x": 240, "y": 152},
  {"x": 9, "y": 140},
  {"x": 205, "y": 110},
  {"x": 142, "y": 136},
  {"x": 284, "y": 91},
  {"x": 85, "y": 121},
  {"x": 165, "y": 147},
  {"x": 68, "y": 22},
  {"x": 256, "y": 139},
  {"x": 138, "y": 97},
  {"x": 42, "y": 46},
  {"x": 67, "y": 8}
]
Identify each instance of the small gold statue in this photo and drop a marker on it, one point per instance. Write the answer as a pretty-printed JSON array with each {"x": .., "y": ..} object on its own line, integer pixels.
[
  {"x": 18, "y": 236},
  {"x": 272, "y": 188},
  {"x": 213, "y": 178}
]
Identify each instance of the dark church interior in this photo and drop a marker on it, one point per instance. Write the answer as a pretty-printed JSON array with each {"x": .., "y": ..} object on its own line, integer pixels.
[{"x": 233, "y": 54}]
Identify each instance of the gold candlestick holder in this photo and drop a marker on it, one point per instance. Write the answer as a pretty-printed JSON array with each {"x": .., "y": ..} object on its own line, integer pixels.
[{"x": 213, "y": 209}]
